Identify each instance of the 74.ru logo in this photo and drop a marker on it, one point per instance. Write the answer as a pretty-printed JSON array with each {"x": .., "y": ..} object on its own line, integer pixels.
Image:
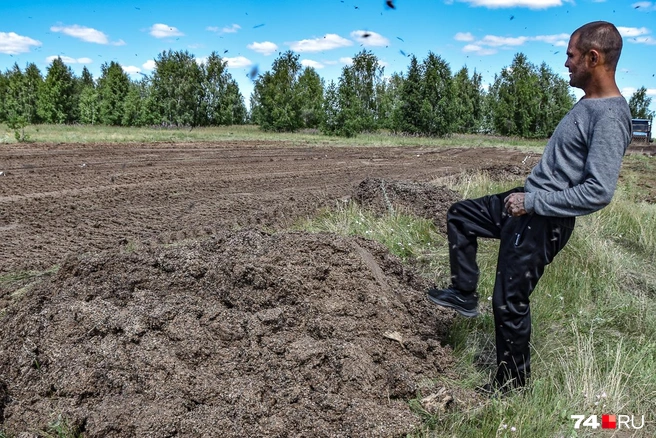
[{"x": 608, "y": 421}]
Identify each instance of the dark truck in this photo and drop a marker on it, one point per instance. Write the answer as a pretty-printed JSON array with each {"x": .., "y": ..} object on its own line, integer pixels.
[{"x": 641, "y": 130}]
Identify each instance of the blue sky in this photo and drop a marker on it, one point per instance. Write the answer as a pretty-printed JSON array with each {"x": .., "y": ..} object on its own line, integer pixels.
[{"x": 483, "y": 35}]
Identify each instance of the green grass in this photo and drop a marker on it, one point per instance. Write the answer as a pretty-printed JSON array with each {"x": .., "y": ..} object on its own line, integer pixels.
[
  {"x": 594, "y": 318},
  {"x": 410, "y": 238},
  {"x": 115, "y": 134},
  {"x": 20, "y": 276}
]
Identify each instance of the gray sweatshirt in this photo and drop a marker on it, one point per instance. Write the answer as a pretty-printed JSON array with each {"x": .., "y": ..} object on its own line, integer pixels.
[{"x": 581, "y": 163}]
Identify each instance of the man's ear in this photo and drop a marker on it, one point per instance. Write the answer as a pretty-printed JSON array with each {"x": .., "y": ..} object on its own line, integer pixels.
[{"x": 595, "y": 57}]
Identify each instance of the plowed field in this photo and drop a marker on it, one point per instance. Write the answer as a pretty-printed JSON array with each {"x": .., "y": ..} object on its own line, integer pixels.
[{"x": 56, "y": 199}]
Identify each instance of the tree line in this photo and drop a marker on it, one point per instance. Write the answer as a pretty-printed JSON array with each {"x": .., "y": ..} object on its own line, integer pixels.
[
  {"x": 180, "y": 92},
  {"x": 428, "y": 99}
]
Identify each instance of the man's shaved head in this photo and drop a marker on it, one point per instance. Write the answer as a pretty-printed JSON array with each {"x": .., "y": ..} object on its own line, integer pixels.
[{"x": 603, "y": 37}]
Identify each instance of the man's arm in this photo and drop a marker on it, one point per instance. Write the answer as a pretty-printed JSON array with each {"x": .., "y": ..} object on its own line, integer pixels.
[{"x": 608, "y": 143}]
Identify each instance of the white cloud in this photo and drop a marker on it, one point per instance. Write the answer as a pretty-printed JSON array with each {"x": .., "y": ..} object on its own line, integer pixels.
[
  {"x": 227, "y": 29},
  {"x": 238, "y": 62},
  {"x": 346, "y": 60},
  {"x": 630, "y": 32},
  {"x": 497, "y": 41},
  {"x": 464, "y": 36},
  {"x": 471, "y": 48},
  {"x": 131, "y": 69},
  {"x": 265, "y": 47},
  {"x": 628, "y": 91},
  {"x": 531, "y": 4},
  {"x": 637, "y": 35},
  {"x": 558, "y": 40},
  {"x": 231, "y": 29},
  {"x": 310, "y": 63},
  {"x": 649, "y": 40},
  {"x": 644, "y": 6},
  {"x": 369, "y": 39},
  {"x": 478, "y": 50},
  {"x": 490, "y": 43},
  {"x": 160, "y": 30},
  {"x": 328, "y": 42},
  {"x": 149, "y": 65},
  {"x": 88, "y": 34},
  {"x": 12, "y": 44},
  {"x": 69, "y": 60}
]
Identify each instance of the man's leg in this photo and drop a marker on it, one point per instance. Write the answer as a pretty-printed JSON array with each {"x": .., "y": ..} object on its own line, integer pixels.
[
  {"x": 528, "y": 244},
  {"x": 466, "y": 221}
]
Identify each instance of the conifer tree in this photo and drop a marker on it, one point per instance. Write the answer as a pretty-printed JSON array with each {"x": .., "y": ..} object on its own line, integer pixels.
[
  {"x": 437, "y": 115},
  {"x": 58, "y": 98},
  {"x": 468, "y": 100},
  {"x": 411, "y": 99},
  {"x": 113, "y": 87}
]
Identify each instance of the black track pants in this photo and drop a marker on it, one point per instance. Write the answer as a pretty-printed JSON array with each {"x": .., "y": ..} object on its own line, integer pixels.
[{"x": 527, "y": 244}]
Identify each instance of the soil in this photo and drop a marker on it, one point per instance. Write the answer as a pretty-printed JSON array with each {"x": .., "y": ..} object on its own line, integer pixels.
[
  {"x": 78, "y": 198},
  {"x": 241, "y": 334},
  {"x": 420, "y": 199},
  {"x": 153, "y": 290}
]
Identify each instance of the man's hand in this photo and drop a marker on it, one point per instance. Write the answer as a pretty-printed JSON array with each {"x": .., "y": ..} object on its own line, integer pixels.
[{"x": 515, "y": 204}]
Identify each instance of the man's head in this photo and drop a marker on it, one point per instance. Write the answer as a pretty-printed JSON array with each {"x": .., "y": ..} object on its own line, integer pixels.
[
  {"x": 603, "y": 37},
  {"x": 595, "y": 45}
]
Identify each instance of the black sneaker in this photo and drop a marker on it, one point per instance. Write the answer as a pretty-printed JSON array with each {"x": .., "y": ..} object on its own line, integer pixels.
[{"x": 466, "y": 305}]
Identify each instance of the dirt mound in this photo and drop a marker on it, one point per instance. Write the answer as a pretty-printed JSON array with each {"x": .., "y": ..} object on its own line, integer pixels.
[
  {"x": 240, "y": 334},
  {"x": 421, "y": 199},
  {"x": 508, "y": 172}
]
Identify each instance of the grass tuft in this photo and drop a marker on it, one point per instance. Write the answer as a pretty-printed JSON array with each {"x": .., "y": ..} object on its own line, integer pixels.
[{"x": 409, "y": 237}]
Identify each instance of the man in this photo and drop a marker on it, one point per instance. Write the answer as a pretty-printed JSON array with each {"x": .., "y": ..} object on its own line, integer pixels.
[{"x": 576, "y": 175}]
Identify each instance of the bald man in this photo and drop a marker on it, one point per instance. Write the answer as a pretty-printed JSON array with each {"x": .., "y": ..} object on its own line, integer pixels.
[{"x": 576, "y": 175}]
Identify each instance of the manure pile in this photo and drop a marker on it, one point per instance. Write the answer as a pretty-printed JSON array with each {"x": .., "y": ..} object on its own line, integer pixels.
[{"x": 241, "y": 334}]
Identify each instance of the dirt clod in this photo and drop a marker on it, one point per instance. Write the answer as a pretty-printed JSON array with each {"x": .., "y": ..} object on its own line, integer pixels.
[
  {"x": 240, "y": 334},
  {"x": 421, "y": 199}
]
